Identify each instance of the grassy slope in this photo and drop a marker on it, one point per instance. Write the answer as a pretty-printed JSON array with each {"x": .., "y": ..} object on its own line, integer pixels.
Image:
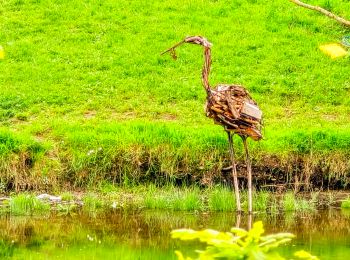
[{"x": 86, "y": 96}]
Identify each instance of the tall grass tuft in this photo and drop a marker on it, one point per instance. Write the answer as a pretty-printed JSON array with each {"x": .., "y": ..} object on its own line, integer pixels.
[
  {"x": 27, "y": 204},
  {"x": 221, "y": 199},
  {"x": 289, "y": 202},
  {"x": 274, "y": 205},
  {"x": 305, "y": 205},
  {"x": 92, "y": 202},
  {"x": 292, "y": 203},
  {"x": 261, "y": 201},
  {"x": 67, "y": 196},
  {"x": 187, "y": 199},
  {"x": 345, "y": 204},
  {"x": 153, "y": 199}
]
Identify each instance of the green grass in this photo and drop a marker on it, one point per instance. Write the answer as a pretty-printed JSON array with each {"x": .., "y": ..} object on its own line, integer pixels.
[
  {"x": 292, "y": 203},
  {"x": 153, "y": 201},
  {"x": 274, "y": 205},
  {"x": 221, "y": 199},
  {"x": 345, "y": 204},
  {"x": 92, "y": 202},
  {"x": 169, "y": 198},
  {"x": 261, "y": 201},
  {"x": 85, "y": 96},
  {"x": 188, "y": 200},
  {"x": 67, "y": 196},
  {"x": 27, "y": 204},
  {"x": 289, "y": 203},
  {"x": 185, "y": 199},
  {"x": 218, "y": 198}
]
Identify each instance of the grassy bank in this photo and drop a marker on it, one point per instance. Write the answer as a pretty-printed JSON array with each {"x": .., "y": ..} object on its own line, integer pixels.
[
  {"x": 169, "y": 198},
  {"x": 85, "y": 96}
]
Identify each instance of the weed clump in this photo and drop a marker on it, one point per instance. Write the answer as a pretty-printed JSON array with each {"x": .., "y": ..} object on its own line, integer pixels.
[
  {"x": 292, "y": 203},
  {"x": 27, "y": 204},
  {"x": 221, "y": 199},
  {"x": 67, "y": 196},
  {"x": 238, "y": 243},
  {"x": 185, "y": 199},
  {"x": 92, "y": 202},
  {"x": 345, "y": 204}
]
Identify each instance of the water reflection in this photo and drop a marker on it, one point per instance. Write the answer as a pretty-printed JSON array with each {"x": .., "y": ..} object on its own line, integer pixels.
[{"x": 145, "y": 235}]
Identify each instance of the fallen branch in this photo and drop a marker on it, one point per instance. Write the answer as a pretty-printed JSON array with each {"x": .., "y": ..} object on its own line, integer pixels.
[{"x": 323, "y": 11}]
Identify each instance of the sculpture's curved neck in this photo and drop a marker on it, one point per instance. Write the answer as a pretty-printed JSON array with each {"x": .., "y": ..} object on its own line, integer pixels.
[
  {"x": 206, "y": 69},
  {"x": 207, "y": 56}
]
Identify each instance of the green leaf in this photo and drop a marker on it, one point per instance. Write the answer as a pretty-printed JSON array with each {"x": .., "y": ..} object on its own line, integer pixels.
[
  {"x": 256, "y": 231},
  {"x": 184, "y": 234},
  {"x": 238, "y": 244},
  {"x": 239, "y": 231},
  {"x": 179, "y": 255}
]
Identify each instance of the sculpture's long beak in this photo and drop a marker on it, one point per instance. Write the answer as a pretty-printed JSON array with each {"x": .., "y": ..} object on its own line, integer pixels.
[{"x": 172, "y": 49}]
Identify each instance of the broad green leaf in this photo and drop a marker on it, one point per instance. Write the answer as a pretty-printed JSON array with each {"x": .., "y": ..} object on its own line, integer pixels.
[
  {"x": 179, "y": 255},
  {"x": 239, "y": 244},
  {"x": 239, "y": 232},
  {"x": 184, "y": 234},
  {"x": 301, "y": 254},
  {"x": 257, "y": 230},
  {"x": 277, "y": 236}
]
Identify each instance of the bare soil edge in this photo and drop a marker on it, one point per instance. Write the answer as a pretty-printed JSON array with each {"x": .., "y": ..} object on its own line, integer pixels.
[{"x": 270, "y": 172}]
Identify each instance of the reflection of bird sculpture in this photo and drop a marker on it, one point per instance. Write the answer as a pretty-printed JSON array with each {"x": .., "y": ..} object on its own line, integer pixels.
[{"x": 232, "y": 107}]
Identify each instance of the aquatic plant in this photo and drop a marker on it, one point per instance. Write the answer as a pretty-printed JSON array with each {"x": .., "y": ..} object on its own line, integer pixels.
[{"x": 238, "y": 244}]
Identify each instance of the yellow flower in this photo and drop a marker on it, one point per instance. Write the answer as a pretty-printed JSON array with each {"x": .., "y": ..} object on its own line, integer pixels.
[
  {"x": 2, "y": 53},
  {"x": 333, "y": 50}
]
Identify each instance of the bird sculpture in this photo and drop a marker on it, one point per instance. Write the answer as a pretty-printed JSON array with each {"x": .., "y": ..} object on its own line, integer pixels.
[{"x": 232, "y": 107}]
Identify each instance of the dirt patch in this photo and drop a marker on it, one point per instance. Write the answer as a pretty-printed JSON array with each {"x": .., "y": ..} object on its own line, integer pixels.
[
  {"x": 90, "y": 114},
  {"x": 169, "y": 117}
]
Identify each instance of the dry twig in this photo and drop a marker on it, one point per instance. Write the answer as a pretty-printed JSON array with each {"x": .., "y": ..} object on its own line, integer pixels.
[{"x": 323, "y": 11}]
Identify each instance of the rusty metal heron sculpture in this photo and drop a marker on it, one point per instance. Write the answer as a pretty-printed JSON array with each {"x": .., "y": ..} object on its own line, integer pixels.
[{"x": 232, "y": 107}]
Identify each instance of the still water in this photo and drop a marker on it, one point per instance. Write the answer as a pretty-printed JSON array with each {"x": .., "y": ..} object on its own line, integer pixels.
[{"x": 145, "y": 235}]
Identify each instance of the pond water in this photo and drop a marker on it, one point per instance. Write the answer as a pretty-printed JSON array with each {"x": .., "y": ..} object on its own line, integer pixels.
[{"x": 145, "y": 234}]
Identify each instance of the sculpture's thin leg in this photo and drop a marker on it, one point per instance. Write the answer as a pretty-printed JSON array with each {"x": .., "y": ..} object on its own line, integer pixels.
[
  {"x": 249, "y": 173},
  {"x": 234, "y": 172},
  {"x": 238, "y": 219},
  {"x": 250, "y": 221}
]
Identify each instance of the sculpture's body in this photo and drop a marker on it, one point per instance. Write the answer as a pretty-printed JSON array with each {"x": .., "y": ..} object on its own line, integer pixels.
[{"x": 232, "y": 107}]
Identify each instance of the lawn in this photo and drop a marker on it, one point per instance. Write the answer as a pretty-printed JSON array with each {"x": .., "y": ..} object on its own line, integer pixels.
[{"x": 85, "y": 95}]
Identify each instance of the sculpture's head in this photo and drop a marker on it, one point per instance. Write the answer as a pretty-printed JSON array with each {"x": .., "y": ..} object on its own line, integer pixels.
[
  {"x": 190, "y": 39},
  {"x": 198, "y": 40}
]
